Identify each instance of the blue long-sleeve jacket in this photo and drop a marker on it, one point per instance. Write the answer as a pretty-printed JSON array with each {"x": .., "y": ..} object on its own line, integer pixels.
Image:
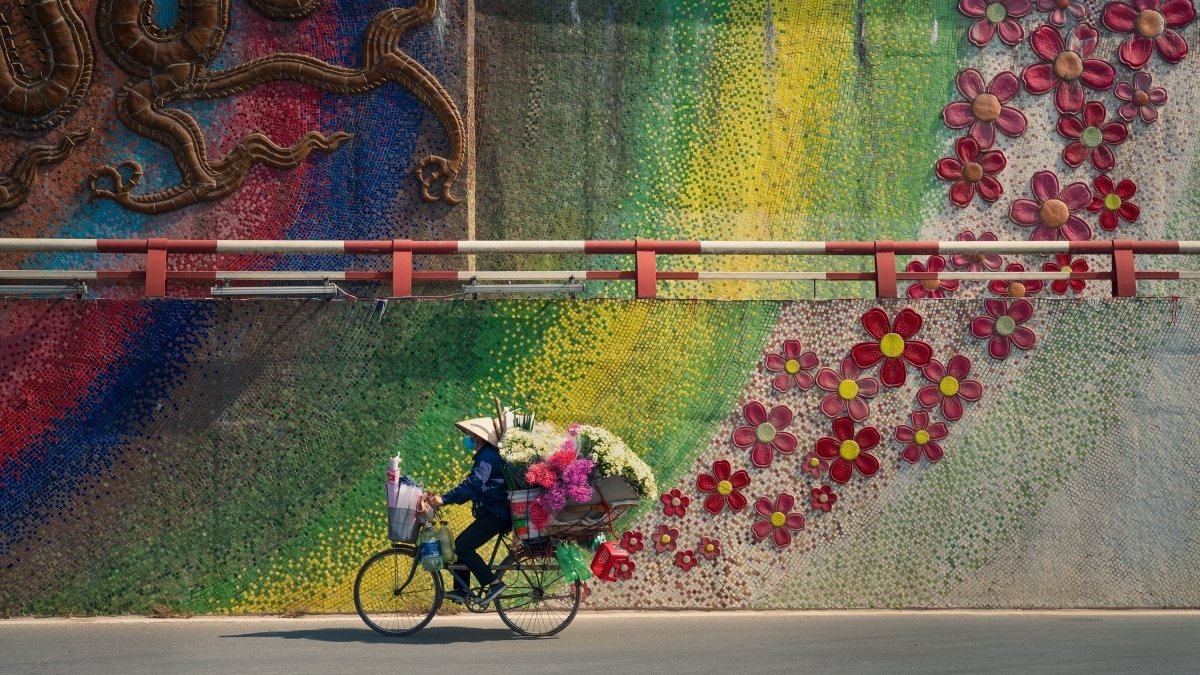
[{"x": 484, "y": 487}]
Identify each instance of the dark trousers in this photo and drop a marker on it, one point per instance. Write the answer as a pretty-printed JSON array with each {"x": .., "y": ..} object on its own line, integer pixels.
[{"x": 479, "y": 532}]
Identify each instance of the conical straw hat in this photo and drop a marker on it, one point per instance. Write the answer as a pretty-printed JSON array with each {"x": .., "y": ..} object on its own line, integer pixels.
[{"x": 480, "y": 427}]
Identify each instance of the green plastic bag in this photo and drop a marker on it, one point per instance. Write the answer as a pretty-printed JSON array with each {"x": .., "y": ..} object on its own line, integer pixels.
[{"x": 573, "y": 562}]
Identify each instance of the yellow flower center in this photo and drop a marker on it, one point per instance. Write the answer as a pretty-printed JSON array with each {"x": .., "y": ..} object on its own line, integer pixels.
[
  {"x": 814, "y": 462},
  {"x": 765, "y": 433},
  {"x": 892, "y": 345},
  {"x": 848, "y": 390},
  {"x": 709, "y": 548},
  {"x": 948, "y": 386},
  {"x": 665, "y": 539},
  {"x": 1112, "y": 202},
  {"x": 724, "y": 488},
  {"x": 1016, "y": 290},
  {"x": 675, "y": 501},
  {"x": 849, "y": 450},
  {"x": 823, "y": 498},
  {"x": 778, "y": 519},
  {"x": 791, "y": 367},
  {"x": 921, "y": 437}
]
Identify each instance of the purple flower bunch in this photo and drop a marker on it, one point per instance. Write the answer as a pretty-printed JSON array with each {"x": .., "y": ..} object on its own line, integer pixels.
[{"x": 565, "y": 476}]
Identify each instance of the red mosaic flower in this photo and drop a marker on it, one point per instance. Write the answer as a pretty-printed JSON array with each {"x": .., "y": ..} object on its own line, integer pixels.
[
  {"x": 976, "y": 262},
  {"x": 1140, "y": 99},
  {"x": 792, "y": 365},
  {"x": 686, "y": 560},
  {"x": 675, "y": 503},
  {"x": 1058, "y": 10},
  {"x": 1015, "y": 289},
  {"x": 1067, "y": 67},
  {"x": 1062, "y": 263},
  {"x": 984, "y": 110},
  {"x": 950, "y": 386},
  {"x": 848, "y": 450},
  {"x": 1092, "y": 137},
  {"x": 823, "y": 498},
  {"x": 995, "y": 17},
  {"x": 765, "y": 433},
  {"x": 624, "y": 569},
  {"x": 724, "y": 486},
  {"x": 709, "y": 548},
  {"x": 632, "y": 541},
  {"x": 814, "y": 465},
  {"x": 930, "y": 288},
  {"x": 1051, "y": 216},
  {"x": 665, "y": 538},
  {"x": 1002, "y": 326},
  {"x": 1111, "y": 202},
  {"x": 846, "y": 391},
  {"x": 780, "y": 521},
  {"x": 1150, "y": 25},
  {"x": 921, "y": 437},
  {"x": 972, "y": 170},
  {"x": 892, "y": 344}
]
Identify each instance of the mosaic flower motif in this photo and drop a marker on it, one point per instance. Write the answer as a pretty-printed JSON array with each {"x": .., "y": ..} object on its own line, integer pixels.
[
  {"x": 1092, "y": 137},
  {"x": 814, "y": 465},
  {"x": 632, "y": 541},
  {"x": 1015, "y": 289},
  {"x": 1150, "y": 25},
  {"x": 765, "y": 433},
  {"x": 976, "y": 262},
  {"x": 922, "y": 438},
  {"x": 1140, "y": 99},
  {"x": 675, "y": 503},
  {"x": 725, "y": 487},
  {"x": 1051, "y": 215},
  {"x": 686, "y": 560},
  {"x": 893, "y": 345},
  {"x": 930, "y": 288},
  {"x": 848, "y": 450},
  {"x": 665, "y": 538},
  {"x": 624, "y": 569},
  {"x": 847, "y": 391},
  {"x": 709, "y": 548},
  {"x": 984, "y": 110},
  {"x": 1062, "y": 263},
  {"x": 823, "y": 498},
  {"x": 1112, "y": 202},
  {"x": 950, "y": 386},
  {"x": 972, "y": 171},
  {"x": 1067, "y": 68},
  {"x": 995, "y": 17},
  {"x": 1001, "y": 326},
  {"x": 779, "y": 519},
  {"x": 1059, "y": 9},
  {"x": 792, "y": 365}
]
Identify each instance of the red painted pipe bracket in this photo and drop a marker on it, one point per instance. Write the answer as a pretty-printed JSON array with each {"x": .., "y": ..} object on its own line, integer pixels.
[
  {"x": 402, "y": 268},
  {"x": 156, "y": 268},
  {"x": 1124, "y": 272},
  {"x": 885, "y": 269}
]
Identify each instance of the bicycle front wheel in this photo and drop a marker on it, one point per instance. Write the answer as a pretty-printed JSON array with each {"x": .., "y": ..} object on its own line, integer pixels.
[
  {"x": 539, "y": 601},
  {"x": 394, "y": 595}
]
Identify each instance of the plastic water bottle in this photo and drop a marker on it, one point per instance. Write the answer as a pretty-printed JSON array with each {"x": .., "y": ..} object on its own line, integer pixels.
[
  {"x": 447, "y": 542},
  {"x": 429, "y": 550}
]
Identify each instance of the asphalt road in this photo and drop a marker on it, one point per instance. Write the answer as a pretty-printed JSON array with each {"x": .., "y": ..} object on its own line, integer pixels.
[{"x": 622, "y": 642}]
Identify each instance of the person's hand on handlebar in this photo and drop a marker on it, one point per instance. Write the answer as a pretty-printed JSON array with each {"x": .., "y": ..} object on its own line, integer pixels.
[{"x": 434, "y": 500}]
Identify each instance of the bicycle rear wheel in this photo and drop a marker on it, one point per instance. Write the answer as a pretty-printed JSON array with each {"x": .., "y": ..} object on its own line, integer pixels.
[
  {"x": 539, "y": 601},
  {"x": 394, "y": 595}
]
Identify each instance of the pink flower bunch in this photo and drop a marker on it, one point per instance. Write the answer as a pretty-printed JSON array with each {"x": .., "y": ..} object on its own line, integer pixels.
[
  {"x": 541, "y": 475},
  {"x": 564, "y": 476},
  {"x": 560, "y": 460}
]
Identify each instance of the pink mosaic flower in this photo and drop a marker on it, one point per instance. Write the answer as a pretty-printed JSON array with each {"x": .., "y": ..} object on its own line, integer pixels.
[
  {"x": 686, "y": 560},
  {"x": 893, "y": 345},
  {"x": 792, "y": 365},
  {"x": 1093, "y": 137},
  {"x": 1150, "y": 25},
  {"x": 709, "y": 548},
  {"x": 1051, "y": 215},
  {"x": 848, "y": 450},
  {"x": 1015, "y": 289},
  {"x": 665, "y": 538},
  {"x": 995, "y": 17},
  {"x": 1067, "y": 68},
  {"x": 984, "y": 110},
  {"x": 1001, "y": 326},
  {"x": 632, "y": 541},
  {"x": 847, "y": 391},
  {"x": 976, "y": 262},
  {"x": 1062, "y": 263},
  {"x": 1111, "y": 202},
  {"x": 1140, "y": 99},
  {"x": 972, "y": 171},
  {"x": 823, "y": 498},
  {"x": 675, "y": 503},
  {"x": 921, "y": 437},
  {"x": 725, "y": 486},
  {"x": 765, "y": 433},
  {"x": 950, "y": 386},
  {"x": 814, "y": 465},
  {"x": 624, "y": 569},
  {"x": 1059, "y": 9},
  {"x": 930, "y": 288},
  {"x": 780, "y": 521}
]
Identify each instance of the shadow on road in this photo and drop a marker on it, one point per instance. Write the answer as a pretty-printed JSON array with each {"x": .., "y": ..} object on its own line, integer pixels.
[{"x": 434, "y": 635}]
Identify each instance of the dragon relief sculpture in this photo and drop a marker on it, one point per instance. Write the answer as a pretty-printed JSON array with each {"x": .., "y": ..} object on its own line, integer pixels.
[{"x": 172, "y": 64}]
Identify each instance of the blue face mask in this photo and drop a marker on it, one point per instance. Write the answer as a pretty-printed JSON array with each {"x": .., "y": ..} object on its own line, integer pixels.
[{"x": 469, "y": 442}]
